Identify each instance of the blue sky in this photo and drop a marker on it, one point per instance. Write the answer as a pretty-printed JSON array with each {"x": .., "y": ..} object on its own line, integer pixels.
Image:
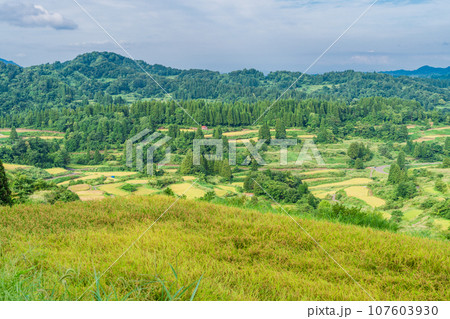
[{"x": 226, "y": 35}]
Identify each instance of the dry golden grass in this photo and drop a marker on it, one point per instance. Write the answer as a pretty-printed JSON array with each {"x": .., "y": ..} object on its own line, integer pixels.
[
  {"x": 363, "y": 193},
  {"x": 189, "y": 178},
  {"x": 238, "y": 184},
  {"x": 192, "y": 192},
  {"x": 56, "y": 170},
  {"x": 353, "y": 181},
  {"x": 242, "y": 255}
]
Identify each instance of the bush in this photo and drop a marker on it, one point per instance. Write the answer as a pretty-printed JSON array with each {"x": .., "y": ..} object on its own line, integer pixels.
[
  {"x": 129, "y": 188},
  {"x": 440, "y": 186},
  {"x": 355, "y": 216},
  {"x": 406, "y": 189},
  {"x": 168, "y": 191}
]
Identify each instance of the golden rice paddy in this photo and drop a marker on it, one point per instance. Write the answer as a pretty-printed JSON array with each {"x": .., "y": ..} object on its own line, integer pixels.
[
  {"x": 363, "y": 193},
  {"x": 56, "y": 170},
  {"x": 188, "y": 190},
  {"x": 79, "y": 187},
  {"x": 10, "y": 167},
  {"x": 91, "y": 195},
  {"x": 350, "y": 182},
  {"x": 137, "y": 181},
  {"x": 318, "y": 171}
]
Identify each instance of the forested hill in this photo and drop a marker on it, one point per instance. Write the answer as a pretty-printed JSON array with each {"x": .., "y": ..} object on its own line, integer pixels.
[
  {"x": 424, "y": 72},
  {"x": 109, "y": 78},
  {"x": 8, "y": 62}
]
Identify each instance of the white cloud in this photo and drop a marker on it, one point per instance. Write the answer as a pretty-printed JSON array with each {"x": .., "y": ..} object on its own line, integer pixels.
[{"x": 28, "y": 15}]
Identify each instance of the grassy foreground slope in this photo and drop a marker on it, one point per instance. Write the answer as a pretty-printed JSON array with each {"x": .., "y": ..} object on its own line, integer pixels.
[{"x": 52, "y": 252}]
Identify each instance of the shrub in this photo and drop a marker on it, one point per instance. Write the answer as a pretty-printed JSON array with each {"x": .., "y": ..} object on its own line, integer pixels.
[
  {"x": 129, "y": 188},
  {"x": 356, "y": 216}
]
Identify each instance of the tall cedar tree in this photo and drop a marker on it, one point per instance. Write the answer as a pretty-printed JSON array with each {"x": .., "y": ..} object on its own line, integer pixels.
[
  {"x": 225, "y": 170},
  {"x": 217, "y": 133},
  {"x": 280, "y": 130},
  {"x": 5, "y": 192},
  {"x": 396, "y": 174},
  {"x": 13, "y": 135},
  {"x": 401, "y": 161},
  {"x": 264, "y": 133},
  {"x": 187, "y": 165}
]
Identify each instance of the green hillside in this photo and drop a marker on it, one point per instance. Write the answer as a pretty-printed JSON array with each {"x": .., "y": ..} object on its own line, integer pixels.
[
  {"x": 108, "y": 78},
  {"x": 52, "y": 252}
]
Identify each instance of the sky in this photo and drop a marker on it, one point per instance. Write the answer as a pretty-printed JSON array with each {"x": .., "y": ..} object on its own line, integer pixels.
[{"x": 227, "y": 35}]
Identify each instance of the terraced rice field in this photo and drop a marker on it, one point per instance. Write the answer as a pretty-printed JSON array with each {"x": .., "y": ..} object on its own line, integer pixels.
[
  {"x": 91, "y": 195},
  {"x": 85, "y": 192},
  {"x": 56, "y": 170},
  {"x": 362, "y": 193},
  {"x": 10, "y": 167},
  {"x": 442, "y": 223},
  {"x": 138, "y": 181},
  {"x": 188, "y": 190},
  {"x": 412, "y": 214},
  {"x": 114, "y": 189},
  {"x": 309, "y": 180},
  {"x": 145, "y": 191},
  {"x": 222, "y": 190},
  {"x": 350, "y": 182},
  {"x": 322, "y": 194},
  {"x": 79, "y": 187},
  {"x": 318, "y": 171},
  {"x": 429, "y": 138}
]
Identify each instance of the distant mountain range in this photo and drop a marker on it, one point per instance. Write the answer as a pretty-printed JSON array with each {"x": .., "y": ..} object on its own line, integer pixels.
[
  {"x": 423, "y": 72},
  {"x": 8, "y": 62}
]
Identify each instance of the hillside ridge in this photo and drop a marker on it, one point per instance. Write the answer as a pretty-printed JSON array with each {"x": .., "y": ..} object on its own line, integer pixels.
[{"x": 266, "y": 255}]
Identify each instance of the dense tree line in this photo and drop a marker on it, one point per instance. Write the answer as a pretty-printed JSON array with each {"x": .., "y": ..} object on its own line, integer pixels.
[
  {"x": 96, "y": 126},
  {"x": 35, "y": 152},
  {"x": 108, "y": 78},
  {"x": 282, "y": 186}
]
